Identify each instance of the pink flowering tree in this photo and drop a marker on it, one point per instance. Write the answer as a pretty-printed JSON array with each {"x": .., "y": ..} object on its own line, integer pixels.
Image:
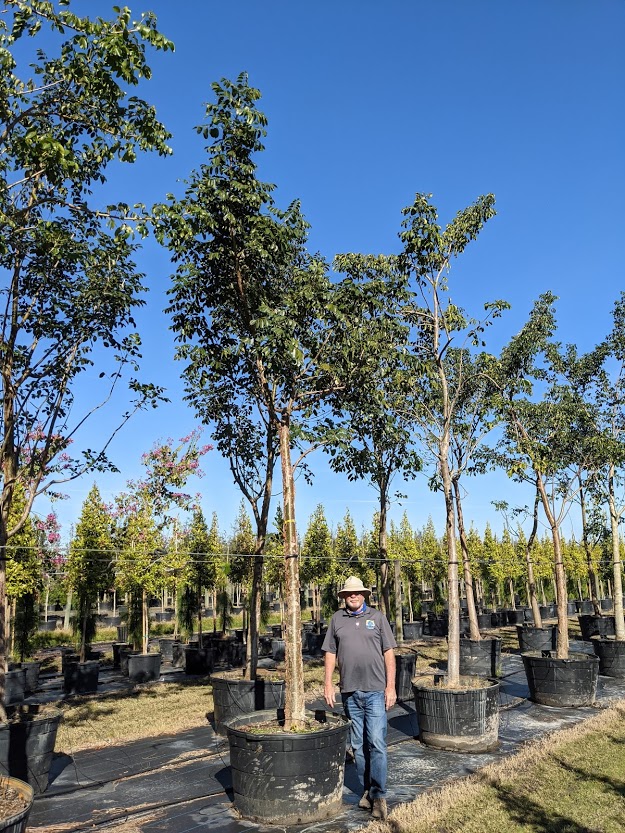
[{"x": 146, "y": 511}]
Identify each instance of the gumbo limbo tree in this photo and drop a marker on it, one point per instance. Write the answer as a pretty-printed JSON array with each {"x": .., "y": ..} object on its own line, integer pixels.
[
  {"x": 68, "y": 280},
  {"x": 262, "y": 327},
  {"x": 438, "y": 326}
]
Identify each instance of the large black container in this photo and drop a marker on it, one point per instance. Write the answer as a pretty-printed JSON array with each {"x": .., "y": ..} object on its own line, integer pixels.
[
  {"x": 198, "y": 660},
  {"x": 438, "y": 624},
  {"x": 233, "y": 697},
  {"x": 278, "y": 647},
  {"x": 264, "y": 645},
  {"x": 276, "y": 630},
  {"x": 480, "y": 657},
  {"x": 122, "y": 633},
  {"x": 515, "y": 616},
  {"x": 288, "y": 778},
  {"x": 460, "y": 720},
  {"x": 177, "y": 654},
  {"x": 31, "y": 676},
  {"x": 571, "y": 608},
  {"x": 31, "y": 742},
  {"x": 14, "y": 687},
  {"x": 585, "y": 606},
  {"x": 313, "y": 643},
  {"x": 124, "y": 656},
  {"x": 117, "y": 647},
  {"x": 537, "y": 639},
  {"x": 404, "y": 672},
  {"x": 484, "y": 621},
  {"x": 18, "y": 822},
  {"x": 561, "y": 682},
  {"x": 605, "y": 604},
  {"x": 166, "y": 647},
  {"x": 592, "y": 625},
  {"x": 144, "y": 668},
  {"x": 413, "y": 630},
  {"x": 81, "y": 677},
  {"x": 611, "y": 656}
]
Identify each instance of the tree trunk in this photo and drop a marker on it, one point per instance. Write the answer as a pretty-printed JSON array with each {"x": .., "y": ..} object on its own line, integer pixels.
[
  {"x": 399, "y": 625},
  {"x": 474, "y": 631},
  {"x": 562, "y": 650},
  {"x": 592, "y": 576},
  {"x": 453, "y": 598},
  {"x": 145, "y": 627},
  {"x": 67, "y": 611},
  {"x": 531, "y": 582},
  {"x": 294, "y": 696},
  {"x": 617, "y": 577}
]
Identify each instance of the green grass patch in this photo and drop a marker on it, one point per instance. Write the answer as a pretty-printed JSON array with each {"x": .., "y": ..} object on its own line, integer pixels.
[{"x": 572, "y": 781}]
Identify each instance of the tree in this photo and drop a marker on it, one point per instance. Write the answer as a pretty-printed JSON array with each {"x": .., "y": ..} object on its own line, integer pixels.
[
  {"x": 267, "y": 315},
  {"x": 90, "y": 564},
  {"x": 201, "y": 571},
  {"x": 317, "y": 557},
  {"x": 439, "y": 325},
  {"x": 70, "y": 284},
  {"x": 145, "y": 511},
  {"x": 376, "y": 443},
  {"x": 548, "y": 440}
]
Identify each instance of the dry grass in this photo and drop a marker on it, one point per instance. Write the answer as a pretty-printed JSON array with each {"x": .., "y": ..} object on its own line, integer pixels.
[
  {"x": 148, "y": 711},
  {"x": 572, "y": 781}
]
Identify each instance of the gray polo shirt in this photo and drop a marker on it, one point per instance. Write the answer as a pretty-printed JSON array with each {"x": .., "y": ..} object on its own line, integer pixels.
[{"x": 359, "y": 642}]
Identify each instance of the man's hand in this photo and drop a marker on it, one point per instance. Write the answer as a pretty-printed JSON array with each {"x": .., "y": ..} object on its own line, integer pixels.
[
  {"x": 390, "y": 697},
  {"x": 329, "y": 695}
]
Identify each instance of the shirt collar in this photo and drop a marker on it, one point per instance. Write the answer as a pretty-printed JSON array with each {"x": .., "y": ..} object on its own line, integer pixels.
[{"x": 358, "y": 612}]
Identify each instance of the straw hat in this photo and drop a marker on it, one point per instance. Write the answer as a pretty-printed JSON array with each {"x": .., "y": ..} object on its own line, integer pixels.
[{"x": 354, "y": 585}]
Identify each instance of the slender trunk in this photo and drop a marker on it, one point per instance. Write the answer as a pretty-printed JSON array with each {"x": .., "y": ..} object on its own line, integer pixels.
[
  {"x": 453, "y": 598},
  {"x": 214, "y": 610},
  {"x": 83, "y": 637},
  {"x": 145, "y": 620},
  {"x": 410, "y": 610},
  {"x": 199, "y": 614},
  {"x": 384, "y": 596},
  {"x": 531, "y": 583},
  {"x": 562, "y": 650},
  {"x": 617, "y": 577},
  {"x": 68, "y": 611},
  {"x": 46, "y": 601},
  {"x": 176, "y": 611},
  {"x": 592, "y": 576},
  {"x": 511, "y": 589},
  {"x": 474, "y": 631},
  {"x": 294, "y": 707},
  {"x": 399, "y": 625}
]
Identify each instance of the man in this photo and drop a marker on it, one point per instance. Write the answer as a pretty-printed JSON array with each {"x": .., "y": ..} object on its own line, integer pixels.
[{"x": 362, "y": 640}]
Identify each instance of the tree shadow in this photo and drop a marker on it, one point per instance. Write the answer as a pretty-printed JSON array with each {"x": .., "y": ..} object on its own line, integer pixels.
[
  {"x": 529, "y": 814},
  {"x": 617, "y": 785}
]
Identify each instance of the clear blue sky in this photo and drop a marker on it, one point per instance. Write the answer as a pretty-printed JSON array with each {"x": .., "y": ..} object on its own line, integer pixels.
[{"x": 368, "y": 103}]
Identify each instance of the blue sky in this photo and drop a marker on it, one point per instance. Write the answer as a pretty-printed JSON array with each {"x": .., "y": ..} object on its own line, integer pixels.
[{"x": 368, "y": 103}]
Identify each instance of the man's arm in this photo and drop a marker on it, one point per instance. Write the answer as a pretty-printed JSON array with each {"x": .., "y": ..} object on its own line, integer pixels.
[
  {"x": 329, "y": 662},
  {"x": 390, "y": 694}
]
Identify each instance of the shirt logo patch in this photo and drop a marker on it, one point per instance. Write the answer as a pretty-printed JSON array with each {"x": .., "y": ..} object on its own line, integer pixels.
[{"x": 370, "y": 624}]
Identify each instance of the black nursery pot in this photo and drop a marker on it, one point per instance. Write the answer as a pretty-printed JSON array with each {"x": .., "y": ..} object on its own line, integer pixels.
[
  {"x": 81, "y": 677},
  {"x": 298, "y": 778},
  {"x": 459, "y": 720},
  {"x": 611, "y": 656},
  {"x": 233, "y": 697},
  {"x": 198, "y": 660},
  {"x": 481, "y": 657},
  {"x": 592, "y": 625},
  {"x": 561, "y": 682},
  {"x": 413, "y": 630},
  {"x": 515, "y": 616},
  {"x": 537, "y": 639},
  {"x": 404, "y": 672},
  {"x": 144, "y": 668}
]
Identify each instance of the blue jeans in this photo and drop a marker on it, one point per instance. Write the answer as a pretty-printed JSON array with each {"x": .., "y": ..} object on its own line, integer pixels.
[{"x": 367, "y": 713}]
